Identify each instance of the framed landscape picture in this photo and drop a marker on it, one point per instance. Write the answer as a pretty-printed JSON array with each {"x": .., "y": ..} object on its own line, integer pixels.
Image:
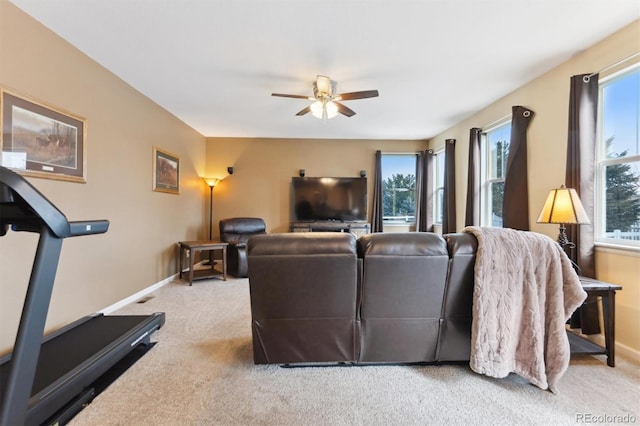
[
  {"x": 40, "y": 140},
  {"x": 166, "y": 171}
]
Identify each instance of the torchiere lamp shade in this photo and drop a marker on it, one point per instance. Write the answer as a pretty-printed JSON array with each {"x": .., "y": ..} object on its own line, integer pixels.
[{"x": 211, "y": 181}]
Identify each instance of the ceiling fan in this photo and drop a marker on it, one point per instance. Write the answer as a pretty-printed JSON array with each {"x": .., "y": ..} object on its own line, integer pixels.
[{"x": 326, "y": 101}]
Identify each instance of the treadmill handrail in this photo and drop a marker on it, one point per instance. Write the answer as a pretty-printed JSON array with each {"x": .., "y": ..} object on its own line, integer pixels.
[
  {"x": 88, "y": 227},
  {"x": 32, "y": 205}
]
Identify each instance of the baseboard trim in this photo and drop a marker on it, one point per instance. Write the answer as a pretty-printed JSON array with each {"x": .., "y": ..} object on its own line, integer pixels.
[
  {"x": 621, "y": 350},
  {"x": 627, "y": 352},
  {"x": 137, "y": 296}
]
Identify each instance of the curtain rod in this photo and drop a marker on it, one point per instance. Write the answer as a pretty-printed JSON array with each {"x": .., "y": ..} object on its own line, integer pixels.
[
  {"x": 608, "y": 67},
  {"x": 399, "y": 152}
]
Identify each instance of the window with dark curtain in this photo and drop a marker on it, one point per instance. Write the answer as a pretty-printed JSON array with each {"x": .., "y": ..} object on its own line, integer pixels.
[
  {"x": 449, "y": 217},
  {"x": 424, "y": 192},
  {"x": 472, "y": 214},
  {"x": 376, "y": 211},
  {"x": 515, "y": 204}
]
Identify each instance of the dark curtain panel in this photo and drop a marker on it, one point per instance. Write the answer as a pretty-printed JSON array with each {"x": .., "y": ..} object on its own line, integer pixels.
[
  {"x": 580, "y": 172},
  {"x": 424, "y": 203},
  {"x": 376, "y": 211},
  {"x": 419, "y": 191},
  {"x": 515, "y": 204},
  {"x": 449, "y": 213},
  {"x": 472, "y": 214}
]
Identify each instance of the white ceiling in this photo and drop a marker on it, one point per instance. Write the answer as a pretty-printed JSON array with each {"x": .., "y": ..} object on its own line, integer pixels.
[{"x": 215, "y": 63}]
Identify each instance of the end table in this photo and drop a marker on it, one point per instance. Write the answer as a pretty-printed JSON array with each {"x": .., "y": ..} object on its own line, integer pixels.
[
  {"x": 607, "y": 292},
  {"x": 191, "y": 247}
]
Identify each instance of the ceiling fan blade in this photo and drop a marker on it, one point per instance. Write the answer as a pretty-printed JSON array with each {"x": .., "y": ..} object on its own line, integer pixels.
[
  {"x": 344, "y": 110},
  {"x": 357, "y": 95},
  {"x": 304, "y": 111},
  {"x": 282, "y": 95}
]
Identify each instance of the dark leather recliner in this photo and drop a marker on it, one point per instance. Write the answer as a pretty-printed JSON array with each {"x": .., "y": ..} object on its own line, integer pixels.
[{"x": 236, "y": 231}]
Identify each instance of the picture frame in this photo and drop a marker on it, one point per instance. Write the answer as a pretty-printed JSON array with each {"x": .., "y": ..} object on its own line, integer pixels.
[
  {"x": 166, "y": 171},
  {"x": 40, "y": 140}
]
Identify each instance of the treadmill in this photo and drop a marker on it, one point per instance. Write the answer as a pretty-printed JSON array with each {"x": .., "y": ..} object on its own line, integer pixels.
[{"x": 47, "y": 380}]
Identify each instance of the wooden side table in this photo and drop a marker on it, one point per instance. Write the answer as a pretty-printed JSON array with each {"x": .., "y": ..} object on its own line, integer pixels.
[
  {"x": 191, "y": 247},
  {"x": 607, "y": 293}
]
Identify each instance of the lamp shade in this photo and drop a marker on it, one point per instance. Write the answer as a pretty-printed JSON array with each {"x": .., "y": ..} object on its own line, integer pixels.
[
  {"x": 211, "y": 181},
  {"x": 563, "y": 206}
]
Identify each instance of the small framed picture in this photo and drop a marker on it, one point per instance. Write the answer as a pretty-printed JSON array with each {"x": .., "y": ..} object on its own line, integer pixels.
[
  {"x": 41, "y": 141},
  {"x": 166, "y": 171}
]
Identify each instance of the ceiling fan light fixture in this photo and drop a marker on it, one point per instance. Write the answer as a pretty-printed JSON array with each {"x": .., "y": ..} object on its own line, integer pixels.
[
  {"x": 317, "y": 109},
  {"x": 324, "y": 110},
  {"x": 332, "y": 109}
]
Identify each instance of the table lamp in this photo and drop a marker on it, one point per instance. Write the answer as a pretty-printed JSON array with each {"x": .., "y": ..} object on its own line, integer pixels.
[{"x": 563, "y": 207}]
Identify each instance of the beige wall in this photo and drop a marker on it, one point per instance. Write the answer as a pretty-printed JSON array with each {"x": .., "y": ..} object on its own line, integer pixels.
[
  {"x": 548, "y": 96},
  {"x": 122, "y": 128},
  {"x": 260, "y": 185}
]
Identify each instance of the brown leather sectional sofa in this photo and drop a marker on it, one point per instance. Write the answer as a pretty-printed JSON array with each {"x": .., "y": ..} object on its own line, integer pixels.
[{"x": 383, "y": 298}]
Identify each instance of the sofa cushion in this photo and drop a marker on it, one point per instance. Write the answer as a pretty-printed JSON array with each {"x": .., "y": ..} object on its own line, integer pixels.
[
  {"x": 402, "y": 244},
  {"x": 298, "y": 243}
]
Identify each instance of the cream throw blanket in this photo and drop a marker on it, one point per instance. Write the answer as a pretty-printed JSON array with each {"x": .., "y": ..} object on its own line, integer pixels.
[{"x": 525, "y": 290}]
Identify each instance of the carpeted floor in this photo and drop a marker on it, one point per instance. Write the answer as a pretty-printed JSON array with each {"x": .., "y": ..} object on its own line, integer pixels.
[{"x": 201, "y": 372}]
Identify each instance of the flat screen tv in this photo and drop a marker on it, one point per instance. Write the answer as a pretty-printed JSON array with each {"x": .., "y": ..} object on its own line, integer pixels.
[{"x": 329, "y": 198}]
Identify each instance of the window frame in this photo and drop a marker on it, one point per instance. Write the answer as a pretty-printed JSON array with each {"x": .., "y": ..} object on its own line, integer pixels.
[
  {"x": 485, "y": 171},
  {"x": 413, "y": 155},
  {"x": 602, "y": 162},
  {"x": 438, "y": 187}
]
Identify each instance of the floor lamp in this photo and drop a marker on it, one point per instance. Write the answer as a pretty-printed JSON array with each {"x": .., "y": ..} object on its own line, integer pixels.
[
  {"x": 563, "y": 206},
  {"x": 211, "y": 182}
]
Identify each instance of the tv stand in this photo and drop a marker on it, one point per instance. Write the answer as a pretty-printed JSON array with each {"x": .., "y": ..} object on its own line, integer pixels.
[{"x": 356, "y": 228}]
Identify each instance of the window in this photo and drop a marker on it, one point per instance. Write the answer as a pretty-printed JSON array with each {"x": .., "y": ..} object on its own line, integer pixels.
[
  {"x": 398, "y": 188},
  {"x": 438, "y": 183},
  {"x": 618, "y": 160},
  {"x": 495, "y": 152}
]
